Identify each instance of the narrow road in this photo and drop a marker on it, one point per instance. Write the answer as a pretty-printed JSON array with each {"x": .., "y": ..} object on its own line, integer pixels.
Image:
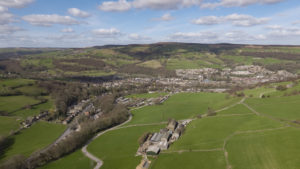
[
  {"x": 230, "y": 106},
  {"x": 91, "y": 156}
]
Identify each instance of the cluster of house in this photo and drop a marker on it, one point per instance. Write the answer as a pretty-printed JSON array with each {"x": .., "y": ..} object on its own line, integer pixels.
[
  {"x": 82, "y": 107},
  {"x": 162, "y": 139},
  {"x": 191, "y": 80},
  {"x": 156, "y": 142},
  {"x": 30, "y": 120},
  {"x": 142, "y": 101}
]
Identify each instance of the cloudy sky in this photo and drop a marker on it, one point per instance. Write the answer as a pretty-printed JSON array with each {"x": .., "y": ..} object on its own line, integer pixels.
[{"x": 83, "y": 23}]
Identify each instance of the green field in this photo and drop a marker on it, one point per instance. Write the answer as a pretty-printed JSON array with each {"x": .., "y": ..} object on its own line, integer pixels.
[
  {"x": 15, "y": 82},
  {"x": 278, "y": 149},
  {"x": 35, "y": 110},
  {"x": 75, "y": 160},
  {"x": 32, "y": 139},
  {"x": 181, "y": 106},
  {"x": 118, "y": 148},
  {"x": 210, "y": 133},
  {"x": 252, "y": 141},
  {"x": 146, "y": 95},
  {"x": 11, "y": 104},
  {"x": 286, "y": 108},
  {"x": 8, "y": 124},
  {"x": 190, "y": 160}
]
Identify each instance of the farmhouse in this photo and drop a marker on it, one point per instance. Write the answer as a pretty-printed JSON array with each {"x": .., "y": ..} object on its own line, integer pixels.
[
  {"x": 172, "y": 125},
  {"x": 153, "y": 150},
  {"x": 163, "y": 145},
  {"x": 156, "y": 137}
]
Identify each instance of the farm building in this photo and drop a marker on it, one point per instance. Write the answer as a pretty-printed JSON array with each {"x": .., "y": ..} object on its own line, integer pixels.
[
  {"x": 156, "y": 137},
  {"x": 172, "y": 125},
  {"x": 153, "y": 150},
  {"x": 166, "y": 136},
  {"x": 163, "y": 145}
]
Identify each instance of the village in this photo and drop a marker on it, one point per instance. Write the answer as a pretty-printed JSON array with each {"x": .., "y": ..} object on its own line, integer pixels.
[
  {"x": 151, "y": 144},
  {"x": 206, "y": 79}
]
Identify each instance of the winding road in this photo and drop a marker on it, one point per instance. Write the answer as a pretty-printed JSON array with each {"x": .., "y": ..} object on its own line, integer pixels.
[{"x": 91, "y": 156}]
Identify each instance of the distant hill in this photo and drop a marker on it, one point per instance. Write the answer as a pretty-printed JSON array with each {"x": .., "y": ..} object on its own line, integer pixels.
[{"x": 144, "y": 59}]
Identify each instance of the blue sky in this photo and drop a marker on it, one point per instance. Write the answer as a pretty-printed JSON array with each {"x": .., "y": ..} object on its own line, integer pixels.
[{"x": 82, "y": 23}]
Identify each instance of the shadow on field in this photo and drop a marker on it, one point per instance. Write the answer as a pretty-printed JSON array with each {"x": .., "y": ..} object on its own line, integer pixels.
[{"x": 5, "y": 145}]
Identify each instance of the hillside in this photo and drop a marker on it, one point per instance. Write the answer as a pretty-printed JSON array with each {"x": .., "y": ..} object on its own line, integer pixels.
[{"x": 153, "y": 59}]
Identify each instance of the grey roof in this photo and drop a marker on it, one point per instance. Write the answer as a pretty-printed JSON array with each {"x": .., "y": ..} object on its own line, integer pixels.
[{"x": 156, "y": 137}]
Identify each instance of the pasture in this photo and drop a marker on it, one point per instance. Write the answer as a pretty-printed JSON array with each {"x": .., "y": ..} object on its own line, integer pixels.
[
  {"x": 75, "y": 160},
  {"x": 286, "y": 108},
  {"x": 265, "y": 150},
  {"x": 146, "y": 95},
  {"x": 8, "y": 124},
  {"x": 118, "y": 148},
  {"x": 43, "y": 133},
  {"x": 182, "y": 106}
]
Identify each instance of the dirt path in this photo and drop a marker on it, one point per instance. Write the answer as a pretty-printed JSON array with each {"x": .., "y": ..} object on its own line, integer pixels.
[
  {"x": 230, "y": 106},
  {"x": 199, "y": 150}
]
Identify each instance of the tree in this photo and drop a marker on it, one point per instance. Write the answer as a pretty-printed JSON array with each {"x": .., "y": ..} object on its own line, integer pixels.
[
  {"x": 143, "y": 138},
  {"x": 281, "y": 88},
  {"x": 211, "y": 112}
]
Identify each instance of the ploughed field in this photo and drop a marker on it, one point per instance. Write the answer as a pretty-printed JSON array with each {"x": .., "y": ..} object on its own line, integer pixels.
[{"x": 248, "y": 133}]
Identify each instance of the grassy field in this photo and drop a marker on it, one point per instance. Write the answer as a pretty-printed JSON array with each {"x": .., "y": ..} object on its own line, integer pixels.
[
  {"x": 151, "y": 64},
  {"x": 10, "y": 104},
  {"x": 8, "y": 124},
  {"x": 15, "y": 82},
  {"x": 35, "y": 110},
  {"x": 190, "y": 160},
  {"x": 75, "y": 160},
  {"x": 253, "y": 141},
  {"x": 146, "y": 95},
  {"x": 36, "y": 137},
  {"x": 117, "y": 148},
  {"x": 181, "y": 106},
  {"x": 237, "y": 109},
  {"x": 265, "y": 150},
  {"x": 279, "y": 107},
  {"x": 210, "y": 133}
]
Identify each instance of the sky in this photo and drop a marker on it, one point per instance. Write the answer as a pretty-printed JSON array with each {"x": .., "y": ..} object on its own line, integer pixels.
[{"x": 85, "y": 23}]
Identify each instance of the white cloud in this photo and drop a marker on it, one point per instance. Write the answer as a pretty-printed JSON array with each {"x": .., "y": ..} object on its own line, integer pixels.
[
  {"x": 192, "y": 36},
  {"x": 15, "y": 3},
  {"x": 235, "y": 19},
  {"x": 121, "y": 5},
  {"x": 138, "y": 37},
  {"x": 8, "y": 29},
  {"x": 280, "y": 31},
  {"x": 107, "y": 33},
  {"x": 3, "y": 9},
  {"x": 165, "y": 17},
  {"x": 6, "y": 17},
  {"x": 78, "y": 13},
  {"x": 67, "y": 30},
  {"x": 296, "y": 22},
  {"x": 124, "y": 5},
  {"x": 164, "y": 4},
  {"x": 49, "y": 20},
  {"x": 208, "y": 20},
  {"x": 237, "y": 3}
]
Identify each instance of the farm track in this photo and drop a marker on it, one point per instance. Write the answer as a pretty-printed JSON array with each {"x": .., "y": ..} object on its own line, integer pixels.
[
  {"x": 196, "y": 150},
  {"x": 91, "y": 156}
]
